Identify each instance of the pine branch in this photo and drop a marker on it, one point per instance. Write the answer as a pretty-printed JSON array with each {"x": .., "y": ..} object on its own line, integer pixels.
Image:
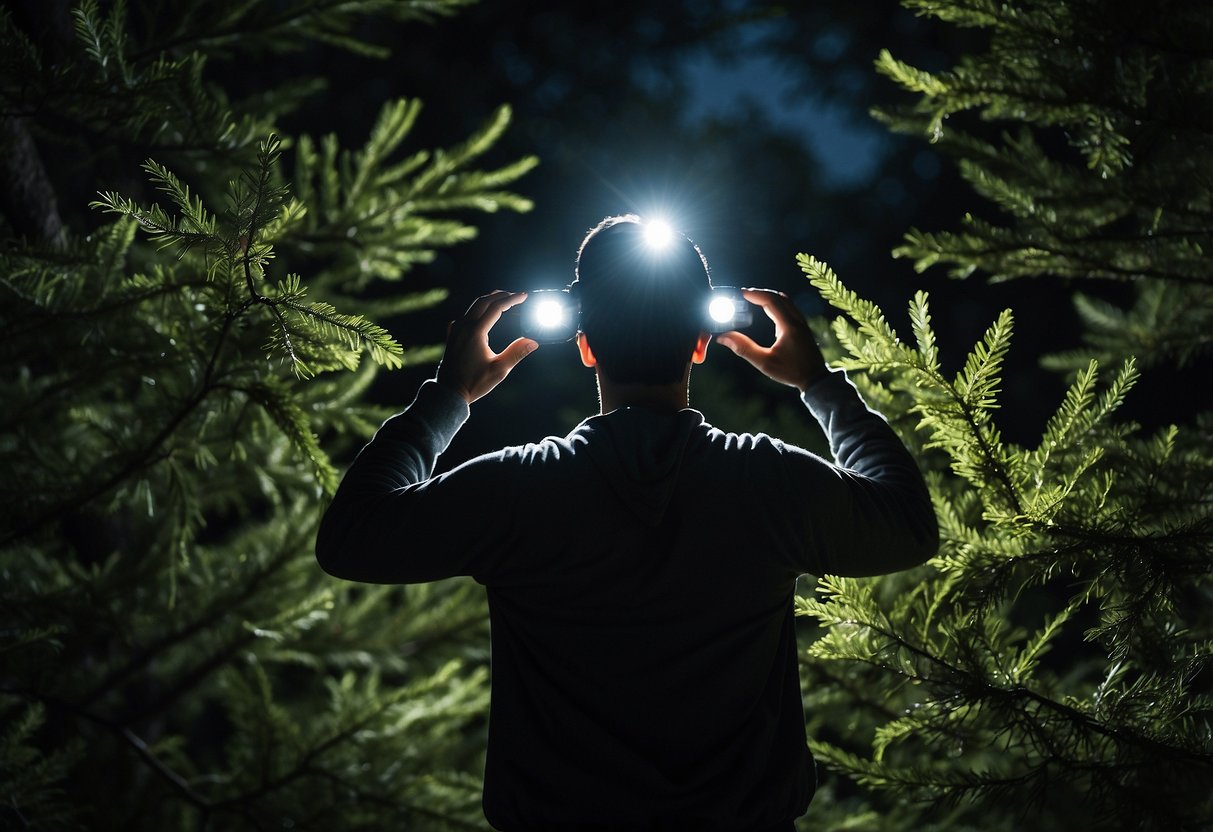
[
  {"x": 328, "y": 19},
  {"x": 129, "y": 737},
  {"x": 225, "y": 608},
  {"x": 355, "y": 331},
  {"x": 295, "y": 425},
  {"x": 1076, "y": 718},
  {"x": 148, "y": 455},
  {"x": 408, "y": 809},
  {"x": 972, "y": 393},
  {"x": 151, "y": 431}
]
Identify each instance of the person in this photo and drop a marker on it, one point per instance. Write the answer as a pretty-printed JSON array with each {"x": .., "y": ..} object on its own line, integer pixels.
[{"x": 640, "y": 571}]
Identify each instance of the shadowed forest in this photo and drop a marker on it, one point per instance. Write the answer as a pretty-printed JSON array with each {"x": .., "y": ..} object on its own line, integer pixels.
[{"x": 232, "y": 234}]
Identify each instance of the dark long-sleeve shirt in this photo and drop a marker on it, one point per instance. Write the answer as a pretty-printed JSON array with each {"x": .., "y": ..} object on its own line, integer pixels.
[{"x": 640, "y": 574}]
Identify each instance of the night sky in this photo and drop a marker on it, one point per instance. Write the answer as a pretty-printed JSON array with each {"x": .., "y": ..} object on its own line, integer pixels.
[{"x": 744, "y": 123}]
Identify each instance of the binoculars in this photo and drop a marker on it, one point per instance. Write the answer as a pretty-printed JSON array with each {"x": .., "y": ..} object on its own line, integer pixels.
[{"x": 551, "y": 316}]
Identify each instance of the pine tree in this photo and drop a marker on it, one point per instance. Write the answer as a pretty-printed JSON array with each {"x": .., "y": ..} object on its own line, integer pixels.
[
  {"x": 177, "y": 366},
  {"x": 1052, "y": 668}
]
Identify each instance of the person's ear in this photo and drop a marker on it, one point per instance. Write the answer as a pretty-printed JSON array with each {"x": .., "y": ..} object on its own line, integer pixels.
[
  {"x": 587, "y": 355},
  {"x": 701, "y": 348}
]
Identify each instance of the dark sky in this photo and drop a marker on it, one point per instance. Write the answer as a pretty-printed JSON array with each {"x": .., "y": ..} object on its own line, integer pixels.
[
  {"x": 845, "y": 142},
  {"x": 746, "y": 125}
]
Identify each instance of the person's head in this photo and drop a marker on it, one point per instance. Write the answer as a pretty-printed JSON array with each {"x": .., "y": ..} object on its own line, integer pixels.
[{"x": 641, "y": 301}]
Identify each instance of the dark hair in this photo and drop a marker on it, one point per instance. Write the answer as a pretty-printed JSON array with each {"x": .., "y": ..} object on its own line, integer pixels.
[{"x": 641, "y": 307}]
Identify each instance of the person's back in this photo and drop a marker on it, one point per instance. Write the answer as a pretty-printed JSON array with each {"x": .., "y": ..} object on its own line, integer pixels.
[
  {"x": 651, "y": 672},
  {"x": 640, "y": 575}
]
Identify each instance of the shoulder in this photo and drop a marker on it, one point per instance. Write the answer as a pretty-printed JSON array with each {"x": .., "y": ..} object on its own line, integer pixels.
[
  {"x": 547, "y": 451},
  {"x": 749, "y": 443}
]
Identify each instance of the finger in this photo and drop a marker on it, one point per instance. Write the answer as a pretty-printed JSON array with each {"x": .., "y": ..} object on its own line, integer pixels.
[
  {"x": 478, "y": 305},
  {"x": 777, "y": 306},
  {"x": 509, "y": 357},
  {"x": 763, "y": 297},
  {"x": 495, "y": 305},
  {"x": 503, "y": 299},
  {"x": 456, "y": 335},
  {"x": 770, "y": 301},
  {"x": 741, "y": 345},
  {"x": 481, "y": 304}
]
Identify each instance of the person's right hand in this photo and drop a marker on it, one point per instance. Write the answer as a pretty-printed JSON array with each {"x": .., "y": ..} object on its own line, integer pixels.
[
  {"x": 794, "y": 359},
  {"x": 469, "y": 366}
]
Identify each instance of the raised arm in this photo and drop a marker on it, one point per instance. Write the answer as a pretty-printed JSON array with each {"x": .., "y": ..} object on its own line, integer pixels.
[
  {"x": 873, "y": 513},
  {"x": 381, "y": 523}
]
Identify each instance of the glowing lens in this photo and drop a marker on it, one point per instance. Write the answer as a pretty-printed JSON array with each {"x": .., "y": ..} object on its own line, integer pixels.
[
  {"x": 721, "y": 310},
  {"x": 727, "y": 309},
  {"x": 658, "y": 234},
  {"x": 549, "y": 314}
]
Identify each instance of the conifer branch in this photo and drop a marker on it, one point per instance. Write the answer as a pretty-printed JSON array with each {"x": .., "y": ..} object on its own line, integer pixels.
[
  {"x": 161, "y": 457},
  {"x": 191, "y": 680},
  {"x": 1075, "y": 717},
  {"x": 218, "y": 611},
  {"x": 252, "y": 28},
  {"x": 179, "y": 784},
  {"x": 373, "y": 799},
  {"x": 147, "y": 456}
]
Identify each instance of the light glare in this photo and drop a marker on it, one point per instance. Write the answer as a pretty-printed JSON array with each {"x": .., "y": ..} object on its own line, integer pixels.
[
  {"x": 549, "y": 314},
  {"x": 658, "y": 234},
  {"x": 721, "y": 310}
]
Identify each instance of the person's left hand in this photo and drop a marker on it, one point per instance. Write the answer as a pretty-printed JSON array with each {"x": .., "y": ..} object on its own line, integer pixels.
[{"x": 469, "y": 366}]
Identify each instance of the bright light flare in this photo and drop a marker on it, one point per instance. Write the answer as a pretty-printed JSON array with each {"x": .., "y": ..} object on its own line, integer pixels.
[
  {"x": 722, "y": 310},
  {"x": 549, "y": 316},
  {"x": 550, "y": 313},
  {"x": 726, "y": 310},
  {"x": 658, "y": 234}
]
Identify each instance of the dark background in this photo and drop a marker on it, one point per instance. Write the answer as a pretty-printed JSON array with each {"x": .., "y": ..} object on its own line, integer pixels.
[{"x": 746, "y": 124}]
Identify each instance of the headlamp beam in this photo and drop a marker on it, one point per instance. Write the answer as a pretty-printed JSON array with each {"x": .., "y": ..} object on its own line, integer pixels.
[{"x": 658, "y": 234}]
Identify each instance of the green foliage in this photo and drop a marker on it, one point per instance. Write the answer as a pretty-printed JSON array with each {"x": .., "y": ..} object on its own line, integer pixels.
[
  {"x": 374, "y": 220},
  {"x": 1128, "y": 90},
  {"x": 1057, "y": 650},
  {"x": 32, "y": 779},
  {"x": 1052, "y": 667},
  {"x": 175, "y": 379}
]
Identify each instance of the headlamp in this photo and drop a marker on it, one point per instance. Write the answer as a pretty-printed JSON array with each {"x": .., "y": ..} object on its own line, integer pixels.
[
  {"x": 726, "y": 310},
  {"x": 550, "y": 316},
  {"x": 658, "y": 234}
]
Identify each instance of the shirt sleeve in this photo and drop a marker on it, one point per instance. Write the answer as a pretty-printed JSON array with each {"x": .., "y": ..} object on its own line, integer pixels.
[
  {"x": 872, "y": 513},
  {"x": 385, "y": 523}
]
